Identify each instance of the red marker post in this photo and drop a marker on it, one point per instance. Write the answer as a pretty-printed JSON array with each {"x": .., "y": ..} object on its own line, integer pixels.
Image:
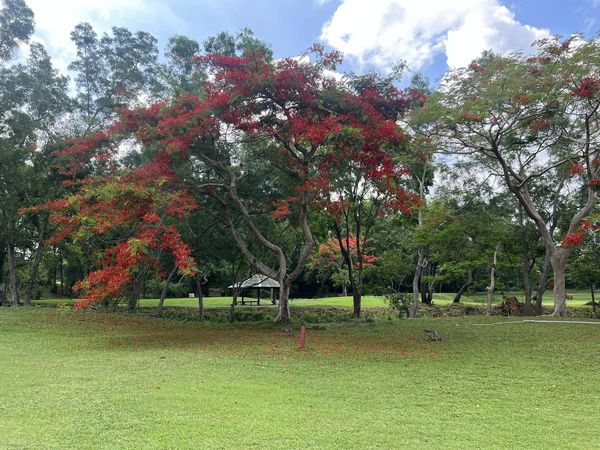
[{"x": 302, "y": 337}]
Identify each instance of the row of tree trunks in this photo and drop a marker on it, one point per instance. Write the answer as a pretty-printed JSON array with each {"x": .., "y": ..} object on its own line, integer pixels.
[
  {"x": 35, "y": 261},
  {"x": 34, "y": 265},
  {"x": 543, "y": 281}
]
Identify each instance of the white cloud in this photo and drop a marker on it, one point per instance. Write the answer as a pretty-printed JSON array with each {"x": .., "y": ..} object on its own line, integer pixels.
[
  {"x": 55, "y": 19},
  {"x": 382, "y": 32}
]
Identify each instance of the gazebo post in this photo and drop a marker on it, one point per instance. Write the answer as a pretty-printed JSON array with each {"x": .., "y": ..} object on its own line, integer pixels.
[
  {"x": 258, "y": 297},
  {"x": 242, "y": 296}
]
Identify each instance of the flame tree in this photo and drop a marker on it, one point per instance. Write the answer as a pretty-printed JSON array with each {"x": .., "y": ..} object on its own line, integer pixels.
[{"x": 288, "y": 116}]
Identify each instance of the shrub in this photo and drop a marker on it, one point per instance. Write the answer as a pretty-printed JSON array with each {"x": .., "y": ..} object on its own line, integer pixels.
[
  {"x": 399, "y": 303},
  {"x": 510, "y": 306}
]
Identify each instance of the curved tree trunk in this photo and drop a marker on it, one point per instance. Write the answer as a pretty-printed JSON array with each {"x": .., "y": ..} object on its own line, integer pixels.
[
  {"x": 464, "y": 287},
  {"x": 165, "y": 289}
]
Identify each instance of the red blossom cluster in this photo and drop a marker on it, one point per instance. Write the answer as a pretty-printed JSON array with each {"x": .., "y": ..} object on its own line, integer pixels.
[
  {"x": 282, "y": 209},
  {"x": 135, "y": 204},
  {"x": 471, "y": 117},
  {"x": 80, "y": 153},
  {"x": 587, "y": 88},
  {"x": 329, "y": 252},
  {"x": 538, "y": 125},
  {"x": 576, "y": 169},
  {"x": 576, "y": 238}
]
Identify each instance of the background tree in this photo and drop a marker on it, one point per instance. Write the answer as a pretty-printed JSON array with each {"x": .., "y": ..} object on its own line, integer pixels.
[
  {"x": 585, "y": 268},
  {"x": 33, "y": 96},
  {"x": 529, "y": 119},
  {"x": 361, "y": 191},
  {"x": 16, "y": 26},
  {"x": 114, "y": 71}
]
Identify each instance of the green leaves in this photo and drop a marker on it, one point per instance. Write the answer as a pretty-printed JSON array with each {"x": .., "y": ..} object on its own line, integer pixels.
[{"x": 16, "y": 25}]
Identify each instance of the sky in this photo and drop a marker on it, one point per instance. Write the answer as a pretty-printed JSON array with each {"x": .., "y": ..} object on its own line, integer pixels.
[{"x": 430, "y": 36}]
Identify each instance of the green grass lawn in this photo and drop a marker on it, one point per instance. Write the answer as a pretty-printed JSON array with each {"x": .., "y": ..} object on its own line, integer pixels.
[
  {"x": 99, "y": 380},
  {"x": 368, "y": 301}
]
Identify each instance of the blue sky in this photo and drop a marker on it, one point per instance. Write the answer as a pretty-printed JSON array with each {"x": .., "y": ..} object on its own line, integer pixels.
[{"x": 430, "y": 35}]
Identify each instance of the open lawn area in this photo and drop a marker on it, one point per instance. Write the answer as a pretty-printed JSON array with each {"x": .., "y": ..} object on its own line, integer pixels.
[
  {"x": 368, "y": 301},
  {"x": 102, "y": 380}
]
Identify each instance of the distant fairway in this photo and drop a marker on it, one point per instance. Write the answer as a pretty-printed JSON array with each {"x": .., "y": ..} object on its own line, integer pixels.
[{"x": 580, "y": 298}]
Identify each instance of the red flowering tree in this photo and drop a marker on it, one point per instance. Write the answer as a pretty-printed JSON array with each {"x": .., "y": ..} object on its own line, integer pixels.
[
  {"x": 131, "y": 217},
  {"x": 330, "y": 259},
  {"x": 287, "y": 116},
  {"x": 531, "y": 122},
  {"x": 362, "y": 186}
]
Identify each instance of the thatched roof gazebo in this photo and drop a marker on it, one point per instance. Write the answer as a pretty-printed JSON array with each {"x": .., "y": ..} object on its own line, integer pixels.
[{"x": 258, "y": 282}]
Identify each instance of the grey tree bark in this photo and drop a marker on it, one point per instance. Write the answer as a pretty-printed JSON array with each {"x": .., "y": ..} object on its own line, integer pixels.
[
  {"x": 421, "y": 262},
  {"x": 464, "y": 287},
  {"x": 492, "y": 286},
  {"x": 559, "y": 265},
  {"x": 542, "y": 282},
  {"x": 12, "y": 273},
  {"x": 283, "y": 312},
  {"x": 136, "y": 290},
  {"x": 593, "y": 292},
  {"x": 527, "y": 266},
  {"x": 285, "y": 278},
  {"x": 199, "y": 284},
  {"x": 165, "y": 289}
]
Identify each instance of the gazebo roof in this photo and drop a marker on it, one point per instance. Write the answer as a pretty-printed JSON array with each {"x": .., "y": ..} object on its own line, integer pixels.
[{"x": 256, "y": 281}]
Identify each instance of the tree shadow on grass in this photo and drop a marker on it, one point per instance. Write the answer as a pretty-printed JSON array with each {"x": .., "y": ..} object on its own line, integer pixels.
[{"x": 130, "y": 332}]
